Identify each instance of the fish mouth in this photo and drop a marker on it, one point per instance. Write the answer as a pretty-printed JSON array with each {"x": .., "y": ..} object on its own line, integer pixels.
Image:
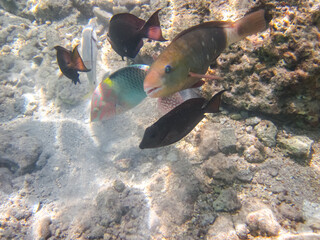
[{"x": 152, "y": 91}]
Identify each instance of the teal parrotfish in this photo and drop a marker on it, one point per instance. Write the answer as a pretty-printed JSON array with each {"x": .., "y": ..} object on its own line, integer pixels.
[
  {"x": 119, "y": 92},
  {"x": 177, "y": 123},
  {"x": 126, "y": 33},
  {"x": 187, "y": 58},
  {"x": 70, "y": 63}
]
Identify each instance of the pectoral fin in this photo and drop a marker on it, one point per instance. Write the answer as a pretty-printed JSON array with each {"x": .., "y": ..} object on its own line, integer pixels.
[
  {"x": 198, "y": 84},
  {"x": 207, "y": 76}
]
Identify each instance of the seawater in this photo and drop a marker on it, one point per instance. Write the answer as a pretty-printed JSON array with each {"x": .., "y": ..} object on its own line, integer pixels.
[{"x": 249, "y": 171}]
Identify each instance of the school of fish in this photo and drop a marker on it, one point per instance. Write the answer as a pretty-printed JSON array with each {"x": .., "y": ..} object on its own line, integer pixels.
[{"x": 181, "y": 66}]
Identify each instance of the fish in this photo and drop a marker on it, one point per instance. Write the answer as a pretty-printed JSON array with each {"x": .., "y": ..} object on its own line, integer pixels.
[
  {"x": 179, "y": 122},
  {"x": 166, "y": 104},
  {"x": 126, "y": 32},
  {"x": 70, "y": 63},
  {"x": 90, "y": 51},
  {"x": 119, "y": 92},
  {"x": 188, "y": 56}
]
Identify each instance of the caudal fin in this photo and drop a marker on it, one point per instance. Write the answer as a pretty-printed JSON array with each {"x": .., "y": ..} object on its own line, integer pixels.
[
  {"x": 152, "y": 29},
  {"x": 212, "y": 106},
  {"x": 76, "y": 61},
  {"x": 250, "y": 24}
]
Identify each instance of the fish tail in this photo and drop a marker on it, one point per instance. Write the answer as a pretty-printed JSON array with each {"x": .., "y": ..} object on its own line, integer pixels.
[
  {"x": 77, "y": 62},
  {"x": 151, "y": 29},
  {"x": 212, "y": 106},
  {"x": 250, "y": 24}
]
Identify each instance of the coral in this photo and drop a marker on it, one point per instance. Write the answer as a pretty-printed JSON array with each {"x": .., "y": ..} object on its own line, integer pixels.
[{"x": 277, "y": 71}]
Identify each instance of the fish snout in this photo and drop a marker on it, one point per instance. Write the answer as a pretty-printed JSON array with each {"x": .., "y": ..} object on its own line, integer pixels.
[{"x": 152, "y": 84}]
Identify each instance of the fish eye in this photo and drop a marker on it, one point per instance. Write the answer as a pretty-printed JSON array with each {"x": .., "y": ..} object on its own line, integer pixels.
[{"x": 167, "y": 69}]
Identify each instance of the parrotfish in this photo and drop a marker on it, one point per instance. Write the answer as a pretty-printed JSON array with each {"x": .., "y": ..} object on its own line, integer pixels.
[
  {"x": 119, "y": 92},
  {"x": 126, "y": 32},
  {"x": 187, "y": 58},
  {"x": 70, "y": 63},
  {"x": 90, "y": 52},
  {"x": 177, "y": 123}
]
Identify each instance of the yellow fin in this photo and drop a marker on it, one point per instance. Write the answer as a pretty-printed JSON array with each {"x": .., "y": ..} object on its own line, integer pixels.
[{"x": 109, "y": 82}]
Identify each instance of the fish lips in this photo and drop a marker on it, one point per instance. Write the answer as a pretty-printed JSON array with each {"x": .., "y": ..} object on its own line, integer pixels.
[{"x": 152, "y": 91}]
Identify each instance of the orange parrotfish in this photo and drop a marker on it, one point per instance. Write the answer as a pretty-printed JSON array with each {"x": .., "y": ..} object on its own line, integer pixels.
[
  {"x": 177, "y": 123},
  {"x": 126, "y": 33},
  {"x": 187, "y": 58},
  {"x": 70, "y": 63}
]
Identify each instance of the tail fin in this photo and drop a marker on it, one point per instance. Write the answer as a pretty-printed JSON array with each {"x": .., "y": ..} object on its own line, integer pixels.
[
  {"x": 76, "y": 61},
  {"x": 151, "y": 29},
  {"x": 212, "y": 106},
  {"x": 250, "y": 24}
]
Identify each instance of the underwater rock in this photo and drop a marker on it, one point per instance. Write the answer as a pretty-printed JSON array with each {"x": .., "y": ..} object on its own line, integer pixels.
[
  {"x": 29, "y": 50},
  {"x": 236, "y": 116},
  {"x": 264, "y": 222},
  {"x": 253, "y": 121},
  {"x": 267, "y": 132},
  {"x": 245, "y": 176},
  {"x": 136, "y": 11},
  {"x": 251, "y": 148},
  {"x": 85, "y": 7},
  {"x": 52, "y": 10},
  {"x": 228, "y": 140},
  {"x": 11, "y": 103},
  {"x": 133, "y": 2},
  {"x": 282, "y": 71},
  {"x": 3, "y": 36},
  {"x": 96, "y": 232},
  {"x": 227, "y": 201},
  {"x": 119, "y": 9},
  {"x": 209, "y": 139},
  {"x": 22, "y": 150},
  {"x": 173, "y": 195},
  {"x": 311, "y": 213},
  {"x": 5, "y": 179},
  {"x": 219, "y": 167},
  {"x": 103, "y": 16},
  {"x": 43, "y": 228},
  {"x": 105, "y": 5},
  {"x": 222, "y": 229},
  {"x": 242, "y": 230},
  {"x": 300, "y": 236},
  {"x": 17, "y": 7},
  {"x": 20, "y": 212},
  {"x": 119, "y": 186},
  {"x": 253, "y": 155},
  {"x": 291, "y": 212},
  {"x": 109, "y": 206},
  {"x": 296, "y": 146},
  {"x": 123, "y": 164}
]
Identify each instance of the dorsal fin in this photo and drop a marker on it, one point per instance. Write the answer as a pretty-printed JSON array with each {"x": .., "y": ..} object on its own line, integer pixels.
[{"x": 212, "y": 24}]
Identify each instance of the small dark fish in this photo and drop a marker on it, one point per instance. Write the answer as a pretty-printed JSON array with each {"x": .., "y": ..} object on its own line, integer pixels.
[
  {"x": 70, "y": 63},
  {"x": 126, "y": 32},
  {"x": 177, "y": 123}
]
